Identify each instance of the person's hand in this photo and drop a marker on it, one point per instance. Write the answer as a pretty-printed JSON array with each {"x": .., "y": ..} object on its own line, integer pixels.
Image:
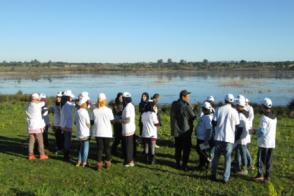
[{"x": 155, "y": 109}]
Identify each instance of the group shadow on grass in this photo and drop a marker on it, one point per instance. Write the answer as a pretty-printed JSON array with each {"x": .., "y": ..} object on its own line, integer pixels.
[{"x": 19, "y": 147}]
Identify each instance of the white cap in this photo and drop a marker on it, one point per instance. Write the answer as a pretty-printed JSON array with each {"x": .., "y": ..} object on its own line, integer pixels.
[
  {"x": 35, "y": 96},
  {"x": 43, "y": 96},
  {"x": 267, "y": 102},
  {"x": 59, "y": 94},
  {"x": 68, "y": 93},
  {"x": 210, "y": 98},
  {"x": 207, "y": 105},
  {"x": 83, "y": 94},
  {"x": 241, "y": 101},
  {"x": 83, "y": 99},
  {"x": 127, "y": 94},
  {"x": 230, "y": 98},
  {"x": 101, "y": 97}
]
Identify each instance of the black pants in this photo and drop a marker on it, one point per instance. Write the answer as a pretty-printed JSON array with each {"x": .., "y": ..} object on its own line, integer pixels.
[
  {"x": 128, "y": 148},
  {"x": 202, "y": 158},
  {"x": 103, "y": 146},
  {"x": 45, "y": 136},
  {"x": 117, "y": 129},
  {"x": 183, "y": 147},
  {"x": 264, "y": 157},
  {"x": 59, "y": 138}
]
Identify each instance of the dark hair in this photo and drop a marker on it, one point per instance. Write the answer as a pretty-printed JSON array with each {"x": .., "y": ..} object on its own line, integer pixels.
[
  {"x": 147, "y": 96},
  {"x": 149, "y": 106},
  {"x": 117, "y": 97},
  {"x": 155, "y": 96},
  {"x": 126, "y": 100}
]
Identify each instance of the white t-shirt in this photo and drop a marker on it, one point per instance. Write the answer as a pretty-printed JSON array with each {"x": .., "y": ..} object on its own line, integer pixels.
[
  {"x": 102, "y": 122},
  {"x": 129, "y": 128},
  {"x": 227, "y": 118},
  {"x": 35, "y": 120},
  {"x": 268, "y": 140},
  {"x": 203, "y": 125},
  {"x": 82, "y": 122},
  {"x": 245, "y": 136},
  {"x": 67, "y": 115},
  {"x": 149, "y": 119}
]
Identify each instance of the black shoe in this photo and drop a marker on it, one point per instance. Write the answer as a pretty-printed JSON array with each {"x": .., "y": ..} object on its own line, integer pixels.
[{"x": 185, "y": 168}]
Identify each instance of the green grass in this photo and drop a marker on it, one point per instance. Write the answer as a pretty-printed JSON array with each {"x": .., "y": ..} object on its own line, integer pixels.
[{"x": 19, "y": 176}]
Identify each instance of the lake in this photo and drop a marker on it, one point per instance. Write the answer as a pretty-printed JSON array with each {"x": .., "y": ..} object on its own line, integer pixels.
[{"x": 280, "y": 90}]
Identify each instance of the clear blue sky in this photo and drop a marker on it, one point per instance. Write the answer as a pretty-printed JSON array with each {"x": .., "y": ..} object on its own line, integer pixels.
[{"x": 136, "y": 31}]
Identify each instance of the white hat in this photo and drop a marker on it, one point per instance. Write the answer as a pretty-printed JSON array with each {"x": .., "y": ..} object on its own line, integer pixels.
[
  {"x": 84, "y": 94},
  {"x": 127, "y": 94},
  {"x": 59, "y": 94},
  {"x": 210, "y": 98},
  {"x": 83, "y": 100},
  {"x": 247, "y": 100},
  {"x": 207, "y": 105},
  {"x": 101, "y": 96},
  {"x": 230, "y": 98},
  {"x": 267, "y": 102},
  {"x": 43, "y": 96},
  {"x": 68, "y": 93},
  {"x": 35, "y": 96},
  {"x": 241, "y": 101}
]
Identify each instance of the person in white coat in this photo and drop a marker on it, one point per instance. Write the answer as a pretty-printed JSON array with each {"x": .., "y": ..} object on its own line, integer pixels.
[
  {"x": 266, "y": 140},
  {"x": 82, "y": 121},
  {"x": 102, "y": 130}
]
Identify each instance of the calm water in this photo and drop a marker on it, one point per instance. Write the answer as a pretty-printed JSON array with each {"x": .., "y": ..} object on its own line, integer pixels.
[{"x": 281, "y": 91}]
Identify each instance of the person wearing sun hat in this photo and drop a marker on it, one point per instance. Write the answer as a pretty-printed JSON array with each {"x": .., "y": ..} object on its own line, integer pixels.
[
  {"x": 182, "y": 117},
  {"x": 36, "y": 126},
  {"x": 102, "y": 131},
  {"x": 204, "y": 133},
  {"x": 266, "y": 140},
  {"x": 225, "y": 120},
  {"x": 242, "y": 136},
  {"x": 67, "y": 111},
  {"x": 59, "y": 135},
  {"x": 250, "y": 110},
  {"x": 128, "y": 130},
  {"x": 82, "y": 121}
]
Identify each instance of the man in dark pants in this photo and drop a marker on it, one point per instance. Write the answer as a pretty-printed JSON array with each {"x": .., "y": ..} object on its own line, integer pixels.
[{"x": 182, "y": 117}]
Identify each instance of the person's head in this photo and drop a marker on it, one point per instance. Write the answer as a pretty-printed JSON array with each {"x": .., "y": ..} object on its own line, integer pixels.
[
  {"x": 43, "y": 97},
  {"x": 35, "y": 97},
  {"x": 119, "y": 97},
  {"x": 267, "y": 105},
  {"x": 206, "y": 108},
  {"x": 185, "y": 96},
  {"x": 156, "y": 97},
  {"x": 127, "y": 98},
  {"x": 240, "y": 103},
  {"x": 150, "y": 107},
  {"x": 211, "y": 100},
  {"x": 101, "y": 101},
  {"x": 229, "y": 99},
  {"x": 69, "y": 96},
  {"x": 58, "y": 98},
  {"x": 144, "y": 97},
  {"x": 83, "y": 100}
]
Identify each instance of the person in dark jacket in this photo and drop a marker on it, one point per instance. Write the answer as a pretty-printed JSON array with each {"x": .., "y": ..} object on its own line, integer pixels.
[
  {"x": 156, "y": 99},
  {"x": 117, "y": 108},
  {"x": 182, "y": 117}
]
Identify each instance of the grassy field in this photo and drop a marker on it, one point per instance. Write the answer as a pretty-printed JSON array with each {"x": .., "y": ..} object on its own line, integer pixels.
[{"x": 19, "y": 176}]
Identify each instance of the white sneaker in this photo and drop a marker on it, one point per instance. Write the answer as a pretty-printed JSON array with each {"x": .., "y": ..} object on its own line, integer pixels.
[{"x": 131, "y": 164}]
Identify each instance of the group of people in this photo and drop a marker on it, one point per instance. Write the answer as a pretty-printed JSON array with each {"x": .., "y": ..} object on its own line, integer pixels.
[
  {"x": 223, "y": 130},
  {"x": 102, "y": 123}
]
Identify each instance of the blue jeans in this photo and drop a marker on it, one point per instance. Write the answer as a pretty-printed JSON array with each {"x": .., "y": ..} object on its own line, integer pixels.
[
  {"x": 83, "y": 151},
  {"x": 249, "y": 158},
  {"x": 67, "y": 142},
  {"x": 242, "y": 157},
  {"x": 224, "y": 148}
]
